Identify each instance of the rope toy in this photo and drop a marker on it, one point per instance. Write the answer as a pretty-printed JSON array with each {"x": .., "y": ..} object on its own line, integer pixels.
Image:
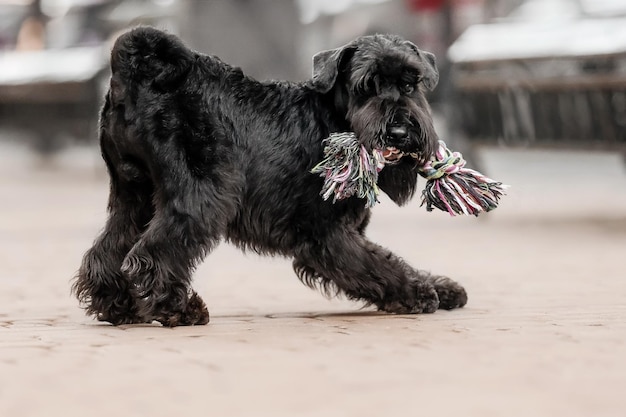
[{"x": 350, "y": 170}]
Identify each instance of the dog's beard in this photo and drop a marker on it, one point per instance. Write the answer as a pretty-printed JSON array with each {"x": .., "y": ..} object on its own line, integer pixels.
[{"x": 371, "y": 121}]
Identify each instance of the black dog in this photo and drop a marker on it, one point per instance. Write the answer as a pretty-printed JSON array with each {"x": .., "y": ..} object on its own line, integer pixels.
[{"x": 197, "y": 153}]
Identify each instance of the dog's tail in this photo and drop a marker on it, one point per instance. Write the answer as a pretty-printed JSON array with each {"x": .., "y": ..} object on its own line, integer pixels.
[{"x": 146, "y": 55}]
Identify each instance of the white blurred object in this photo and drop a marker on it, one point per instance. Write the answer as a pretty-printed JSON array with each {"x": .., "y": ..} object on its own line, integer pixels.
[
  {"x": 603, "y": 7},
  {"x": 55, "y": 8},
  {"x": 546, "y": 10},
  {"x": 310, "y": 10},
  {"x": 52, "y": 65},
  {"x": 543, "y": 29},
  {"x": 540, "y": 40}
]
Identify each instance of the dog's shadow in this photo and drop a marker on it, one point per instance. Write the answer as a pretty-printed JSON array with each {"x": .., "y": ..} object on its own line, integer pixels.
[
  {"x": 329, "y": 316},
  {"x": 326, "y": 315},
  {"x": 225, "y": 318}
]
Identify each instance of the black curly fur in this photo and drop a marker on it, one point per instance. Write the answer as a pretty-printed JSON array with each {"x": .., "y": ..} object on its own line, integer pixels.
[{"x": 198, "y": 153}]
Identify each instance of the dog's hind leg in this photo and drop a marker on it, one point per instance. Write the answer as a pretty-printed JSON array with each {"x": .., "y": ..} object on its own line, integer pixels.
[
  {"x": 100, "y": 285},
  {"x": 189, "y": 220},
  {"x": 152, "y": 119},
  {"x": 365, "y": 271},
  {"x": 161, "y": 263}
]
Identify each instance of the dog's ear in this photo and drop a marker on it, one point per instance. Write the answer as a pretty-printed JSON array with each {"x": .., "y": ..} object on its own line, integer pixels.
[
  {"x": 430, "y": 76},
  {"x": 326, "y": 67}
]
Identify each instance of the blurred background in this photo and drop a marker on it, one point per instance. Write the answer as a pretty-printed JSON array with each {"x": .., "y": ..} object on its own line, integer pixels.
[{"x": 514, "y": 72}]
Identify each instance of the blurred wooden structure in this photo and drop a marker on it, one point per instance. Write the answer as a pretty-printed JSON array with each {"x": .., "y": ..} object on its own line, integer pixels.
[
  {"x": 542, "y": 84},
  {"x": 52, "y": 93}
]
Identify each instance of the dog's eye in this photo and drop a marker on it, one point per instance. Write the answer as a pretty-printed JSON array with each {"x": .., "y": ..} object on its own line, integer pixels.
[
  {"x": 408, "y": 88},
  {"x": 371, "y": 86}
]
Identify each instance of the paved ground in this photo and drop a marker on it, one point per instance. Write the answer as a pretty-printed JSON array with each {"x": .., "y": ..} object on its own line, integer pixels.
[{"x": 544, "y": 333}]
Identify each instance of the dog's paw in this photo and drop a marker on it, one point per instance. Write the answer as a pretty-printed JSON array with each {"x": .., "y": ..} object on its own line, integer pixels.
[
  {"x": 113, "y": 306},
  {"x": 451, "y": 294},
  {"x": 196, "y": 313},
  {"x": 421, "y": 297},
  {"x": 120, "y": 319}
]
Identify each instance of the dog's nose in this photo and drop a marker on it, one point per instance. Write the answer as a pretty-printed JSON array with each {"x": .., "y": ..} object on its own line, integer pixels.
[{"x": 397, "y": 132}]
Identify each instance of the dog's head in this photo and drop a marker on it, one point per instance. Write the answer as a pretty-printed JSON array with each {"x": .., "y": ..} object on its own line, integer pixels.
[{"x": 379, "y": 82}]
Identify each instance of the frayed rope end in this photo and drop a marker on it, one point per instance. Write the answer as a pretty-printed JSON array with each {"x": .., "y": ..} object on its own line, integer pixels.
[
  {"x": 464, "y": 193},
  {"x": 455, "y": 189},
  {"x": 349, "y": 170}
]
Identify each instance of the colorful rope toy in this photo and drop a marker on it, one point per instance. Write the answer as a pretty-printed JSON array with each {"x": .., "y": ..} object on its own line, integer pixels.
[{"x": 349, "y": 170}]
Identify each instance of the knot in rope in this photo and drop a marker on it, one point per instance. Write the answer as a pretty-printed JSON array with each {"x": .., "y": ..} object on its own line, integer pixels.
[
  {"x": 348, "y": 169},
  {"x": 445, "y": 162}
]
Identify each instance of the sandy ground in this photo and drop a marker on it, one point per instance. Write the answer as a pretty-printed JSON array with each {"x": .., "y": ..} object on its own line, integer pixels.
[{"x": 544, "y": 333}]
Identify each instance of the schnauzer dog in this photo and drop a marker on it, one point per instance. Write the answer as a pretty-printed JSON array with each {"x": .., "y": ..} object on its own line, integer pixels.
[{"x": 197, "y": 152}]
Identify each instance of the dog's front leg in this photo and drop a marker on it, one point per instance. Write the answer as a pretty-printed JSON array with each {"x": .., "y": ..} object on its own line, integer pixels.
[{"x": 363, "y": 270}]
